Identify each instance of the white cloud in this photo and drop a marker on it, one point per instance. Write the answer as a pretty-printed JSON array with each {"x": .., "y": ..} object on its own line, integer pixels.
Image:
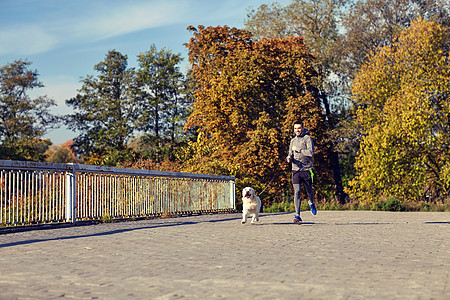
[
  {"x": 26, "y": 40},
  {"x": 95, "y": 21},
  {"x": 60, "y": 92},
  {"x": 121, "y": 20}
]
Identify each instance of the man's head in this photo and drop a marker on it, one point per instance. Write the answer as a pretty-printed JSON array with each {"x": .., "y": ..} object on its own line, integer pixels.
[{"x": 298, "y": 127}]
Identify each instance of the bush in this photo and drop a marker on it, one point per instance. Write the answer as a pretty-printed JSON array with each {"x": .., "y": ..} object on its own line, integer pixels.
[
  {"x": 389, "y": 204},
  {"x": 280, "y": 207}
]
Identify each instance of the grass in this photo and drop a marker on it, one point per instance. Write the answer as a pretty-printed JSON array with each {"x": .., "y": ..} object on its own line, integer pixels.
[{"x": 389, "y": 204}]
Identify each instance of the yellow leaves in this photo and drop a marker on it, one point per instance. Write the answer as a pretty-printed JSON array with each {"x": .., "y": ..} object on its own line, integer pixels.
[{"x": 402, "y": 94}]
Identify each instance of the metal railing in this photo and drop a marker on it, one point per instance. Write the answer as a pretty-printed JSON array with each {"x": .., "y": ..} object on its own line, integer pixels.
[{"x": 36, "y": 193}]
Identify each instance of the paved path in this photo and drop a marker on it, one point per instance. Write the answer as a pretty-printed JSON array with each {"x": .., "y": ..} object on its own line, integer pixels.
[{"x": 335, "y": 255}]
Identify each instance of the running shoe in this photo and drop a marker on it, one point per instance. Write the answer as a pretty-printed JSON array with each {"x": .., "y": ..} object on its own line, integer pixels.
[
  {"x": 297, "y": 220},
  {"x": 313, "y": 208}
]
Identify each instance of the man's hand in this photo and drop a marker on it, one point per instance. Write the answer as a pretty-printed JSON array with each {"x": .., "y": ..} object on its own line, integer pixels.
[{"x": 288, "y": 159}]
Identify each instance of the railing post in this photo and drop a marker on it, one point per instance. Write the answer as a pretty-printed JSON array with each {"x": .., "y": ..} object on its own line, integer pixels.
[
  {"x": 232, "y": 194},
  {"x": 71, "y": 183}
]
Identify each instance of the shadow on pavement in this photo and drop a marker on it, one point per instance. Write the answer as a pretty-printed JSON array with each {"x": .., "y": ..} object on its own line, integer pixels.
[
  {"x": 293, "y": 224},
  {"x": 95, "y": 234},
  {"x": 437, "y": 222},
  {"x": 160, "y": 224},
  {"x": 105, "y": 233}
]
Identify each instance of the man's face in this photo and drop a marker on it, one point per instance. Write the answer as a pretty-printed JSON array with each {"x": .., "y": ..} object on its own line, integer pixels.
[{"x": 298, "y": 129}]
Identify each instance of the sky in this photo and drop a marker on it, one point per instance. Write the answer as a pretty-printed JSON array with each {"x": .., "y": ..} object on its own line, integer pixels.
[{"x": 64, "y": 39}]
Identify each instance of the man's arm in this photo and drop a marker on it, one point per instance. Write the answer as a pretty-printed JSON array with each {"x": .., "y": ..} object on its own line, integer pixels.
[
  {"x": 288, "y": 158},
  {"x": 309, "y": 151}
]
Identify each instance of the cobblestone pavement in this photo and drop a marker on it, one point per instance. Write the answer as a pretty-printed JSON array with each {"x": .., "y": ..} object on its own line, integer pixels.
[{"x": 334, "y": 255}]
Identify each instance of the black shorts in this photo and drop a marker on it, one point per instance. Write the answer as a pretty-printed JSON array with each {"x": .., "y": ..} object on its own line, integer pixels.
[{"x": 301, "y": 176}]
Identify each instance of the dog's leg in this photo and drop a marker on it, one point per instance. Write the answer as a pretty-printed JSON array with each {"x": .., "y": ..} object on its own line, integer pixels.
[
  {"x": 255, "y": 218},
  {"x": 244, "y": 217}
]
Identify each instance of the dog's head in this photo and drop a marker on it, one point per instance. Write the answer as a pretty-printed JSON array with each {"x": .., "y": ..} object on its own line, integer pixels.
[{"x": 248, "y": 192}]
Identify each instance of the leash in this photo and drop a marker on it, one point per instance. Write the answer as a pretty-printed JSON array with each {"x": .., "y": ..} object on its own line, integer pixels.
[
  {"x": 275, "y": 175},
  {"x": 312, "y": 180},
  {"x": 310, "y": 170},
  {"x": 267, "y": 184}
]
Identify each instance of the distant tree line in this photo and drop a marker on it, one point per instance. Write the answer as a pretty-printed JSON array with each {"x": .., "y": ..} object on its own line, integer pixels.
[
  {"x": 23, "y": 120},
  {"x": 119, "y": 112},
  {"x": 124, "y": 111},
  {"x": 369, "y": 78}
]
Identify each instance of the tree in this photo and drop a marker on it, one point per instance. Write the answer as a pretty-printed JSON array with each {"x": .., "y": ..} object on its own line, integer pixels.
[
  {"x": 403, "y": 109},
  {"x": 23, "y": 120},
  {"x": 244, "y": 105},
  {"x": 269, "y": 21},
  {"x": 161, "y": 100},
  {"x": 105, "y": 110},
  {"x": 316, "y": 21},
  {"x": 375, "y": 23},
  {"x": 63, "y": 153},
  {"x": 364, "y": 26}
]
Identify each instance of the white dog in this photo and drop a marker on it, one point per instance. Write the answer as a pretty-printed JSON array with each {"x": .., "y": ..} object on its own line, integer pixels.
[{"x": 250, "y": 205}]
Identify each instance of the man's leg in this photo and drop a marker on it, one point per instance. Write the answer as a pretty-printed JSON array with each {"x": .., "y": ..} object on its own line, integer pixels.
[
  {"x": 297, "y": 198},
  {"x": 309, "y": 191},
  {"x": 297, "y": 194},
  {"x": 307, "y": 180}
]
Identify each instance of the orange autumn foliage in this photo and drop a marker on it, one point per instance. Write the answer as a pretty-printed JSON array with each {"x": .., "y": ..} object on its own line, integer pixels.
[
  {"x": 247, "y": 96},
  {"x": 62, "y": 153}
]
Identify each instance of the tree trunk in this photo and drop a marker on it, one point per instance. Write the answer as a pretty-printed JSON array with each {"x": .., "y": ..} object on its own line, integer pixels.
[{"x": 334, "y": 157}]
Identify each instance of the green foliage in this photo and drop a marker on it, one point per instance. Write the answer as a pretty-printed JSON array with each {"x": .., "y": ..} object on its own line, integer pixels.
[
  {"x": 375, "y": 23},
  {"x": 280, "y": 207},
  {"x": 164, "y": 102},
  {"x": 25, "y": 148},
  {"x": 366, "y": 25},
  {"x": 391, "y": 204},
  {"x": 120, "y": 102},
  {"x": 104, "y": 109},
  {"x": 23, "y": 120},
  {"x": 107, "y": 219},
  {"x": 110, "y": 158},
  {"x": 160, "y": 85},
  {"x": 403, "y": 110}
]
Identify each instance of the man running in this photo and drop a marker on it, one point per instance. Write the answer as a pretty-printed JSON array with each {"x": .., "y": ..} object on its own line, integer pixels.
[{"x": 301, "y": 152}]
